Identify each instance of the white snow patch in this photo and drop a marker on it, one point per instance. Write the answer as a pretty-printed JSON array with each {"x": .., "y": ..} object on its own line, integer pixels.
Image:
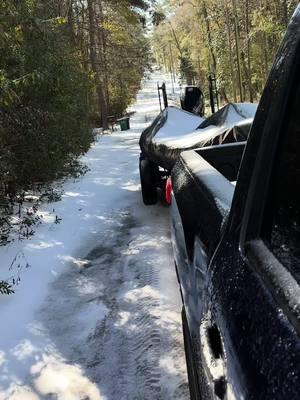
[
  {"x": 66, "y": 382},
  {"x": 19, "y": 392},
  {"x": 180, "y": 129},
  {"x": 24, "y": 350},
  {"x": 76, "y": 261},
  {"x": 178, "y": 124},
  {"x": 2, "y": 358},
  {"x": 44, "y": 245}
]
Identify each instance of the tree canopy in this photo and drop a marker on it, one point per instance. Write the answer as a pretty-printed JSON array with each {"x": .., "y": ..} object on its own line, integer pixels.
[{"x": 236, "y": 40}]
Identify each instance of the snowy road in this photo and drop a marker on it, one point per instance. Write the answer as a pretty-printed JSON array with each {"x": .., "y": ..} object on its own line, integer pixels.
[{"x": 97, "y": 315}]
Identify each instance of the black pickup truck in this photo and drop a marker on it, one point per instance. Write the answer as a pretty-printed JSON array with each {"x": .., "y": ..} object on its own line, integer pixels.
[{"x": 236, "y": 237}]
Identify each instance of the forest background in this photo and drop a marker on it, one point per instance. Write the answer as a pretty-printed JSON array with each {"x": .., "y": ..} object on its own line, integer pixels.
[{"x": 235, "y": 40}]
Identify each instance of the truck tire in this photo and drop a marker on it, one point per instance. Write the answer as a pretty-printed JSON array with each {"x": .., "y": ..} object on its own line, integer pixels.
[{"x": 148, "y": 172}]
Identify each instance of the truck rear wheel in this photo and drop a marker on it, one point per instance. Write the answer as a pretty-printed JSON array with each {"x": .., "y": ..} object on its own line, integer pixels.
[{"x": 148, "y": 173}]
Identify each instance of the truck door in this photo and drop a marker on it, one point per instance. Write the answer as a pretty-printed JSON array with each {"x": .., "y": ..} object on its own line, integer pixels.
[
  {"x": 250, "y": 344},
  {"x": 270, "y": 242}
]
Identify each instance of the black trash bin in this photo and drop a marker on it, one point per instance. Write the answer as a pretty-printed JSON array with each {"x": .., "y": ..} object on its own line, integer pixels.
[{"x": 124, "y": 123}]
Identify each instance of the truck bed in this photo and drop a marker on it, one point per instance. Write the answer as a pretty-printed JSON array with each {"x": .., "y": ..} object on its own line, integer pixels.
[{"x": 202, "y": 178}]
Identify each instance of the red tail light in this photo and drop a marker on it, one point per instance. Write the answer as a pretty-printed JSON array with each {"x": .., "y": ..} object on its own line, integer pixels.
[{"x": 169, "y": 191}]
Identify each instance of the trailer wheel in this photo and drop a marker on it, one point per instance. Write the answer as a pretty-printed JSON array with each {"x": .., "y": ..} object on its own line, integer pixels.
[{"x": 148, "y": 172}]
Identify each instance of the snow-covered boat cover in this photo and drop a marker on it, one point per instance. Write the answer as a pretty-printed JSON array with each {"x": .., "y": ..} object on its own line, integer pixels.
[{"x": 175, "y": 130}]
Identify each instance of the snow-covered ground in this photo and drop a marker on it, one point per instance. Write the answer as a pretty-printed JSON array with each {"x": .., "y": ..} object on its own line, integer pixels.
[{"x": 97, "y": 313}]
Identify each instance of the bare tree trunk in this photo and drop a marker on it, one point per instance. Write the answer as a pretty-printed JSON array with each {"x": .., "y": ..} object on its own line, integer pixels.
[
  {"x": 209, "y": 37},
  {"x": 237, "y": 46},
  {"x": 224, "y": 95},
  {"x": 176, "y": 39},
  {"x": 199, "y": 71},
  {"x": 102, "y": 48},
  {"x": 71, "y": 22},
  {"x": 285, "y": 12},
  {"x": 249, "y": 73},
  {"x": 165, "y": 59},
  {"x": 95, "y": 64},
  {"x": 230, "y": 55},
  {"x": 265, "y": 55}
]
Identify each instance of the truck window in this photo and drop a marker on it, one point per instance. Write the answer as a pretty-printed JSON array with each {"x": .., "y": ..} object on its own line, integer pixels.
[{"x": 281, "y": 228}]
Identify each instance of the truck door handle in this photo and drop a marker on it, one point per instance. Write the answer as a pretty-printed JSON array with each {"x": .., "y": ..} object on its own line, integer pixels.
[{"x": 214, "y": 357}]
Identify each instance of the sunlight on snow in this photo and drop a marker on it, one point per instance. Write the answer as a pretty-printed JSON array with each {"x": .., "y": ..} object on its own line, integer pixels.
[
  {"x": 123, "y": 318},
  {"x": 67, "y": 382},
  {"x": 24, "y": 350},
  {"x": 86, "y": 286},
  {"x": 76, "y": 194},
  {"x": 131, "y": 186},
  {"x": 107, "y": 181},
  {"x": 17, "y": 391},
  {"x": 139, "y": 293},
  {"x": 76, "y": 261},
  {"x": 43, "y": 245},
  {"x": 144, "y": 242},
  {"x": 47, "y": 217},
  {"x": 2, "y": 358}
]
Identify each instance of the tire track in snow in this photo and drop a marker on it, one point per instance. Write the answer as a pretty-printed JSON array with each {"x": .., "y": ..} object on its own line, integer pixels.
[
  {"x": 139, "y": 370},
  {"x": 122, "y": 352},
  {"x": 145, "y": 343}
]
